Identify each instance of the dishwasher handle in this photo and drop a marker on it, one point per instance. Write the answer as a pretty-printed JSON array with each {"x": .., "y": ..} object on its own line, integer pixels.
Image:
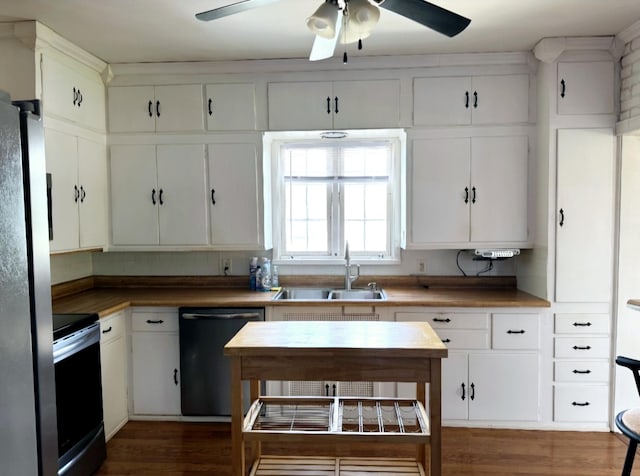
[{"x": 243, "y": 315}]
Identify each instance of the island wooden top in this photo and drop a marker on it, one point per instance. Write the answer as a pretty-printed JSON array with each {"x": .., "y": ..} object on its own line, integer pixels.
[{"x": 336, "y": 338}]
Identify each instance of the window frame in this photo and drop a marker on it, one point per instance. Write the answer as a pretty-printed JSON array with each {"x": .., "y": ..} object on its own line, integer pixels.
[{"x": 273, "y": 143}]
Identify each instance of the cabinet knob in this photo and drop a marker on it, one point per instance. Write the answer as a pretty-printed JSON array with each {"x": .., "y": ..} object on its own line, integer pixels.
[
  {"x": 581, "y": 324},
  {"x": 150, "y": 321},
  {"x": 576, "y": 371},
  {"x": 521, "y": 331},
  {"x": 577, "y": 347},
  {"x": 153, "y": 199},
  {"x": 466, "y": 195},
  {"x": 328, "y": 105},
  {"x": 439, "y": 319},
  {"x": 213, "y": 196},
  {"x": 466, "y": 99},
  {"x": 473, "y": 199},
  {"x": 463, "y": 391},
  {"x": 473, "y": 391},
  {"x": 210, "y": 107},
  {"x": 79, "y": 98},
  {"x": 563, "y": 88},
  {"x": 475, "y": 99},
  {"x": 561, "y": 217},
  {"x": 76, "y": 193},
  {"x": 150, "y": 108},
  {"x": 336, "y": 108},
  {"x": 75, "y": 96},
  {"x": 157, "y": 108},
  {"x": 160, "y": 197},
  {"x": 175, "y": 376},
  {"x": 106, "y": 331},
  {"x": 580, "y": 404},
  {"x": 83, "y": 194}
]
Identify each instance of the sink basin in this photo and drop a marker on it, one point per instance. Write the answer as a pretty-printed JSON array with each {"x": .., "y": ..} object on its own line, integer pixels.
[
  {"x": 302, "y": 294},
  {"x": 357, "y": 294},
  {"x": 323, "y": 294}
]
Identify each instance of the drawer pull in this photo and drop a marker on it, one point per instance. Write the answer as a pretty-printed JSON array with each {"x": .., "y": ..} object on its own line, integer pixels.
[
  {"x": 581, "y": 324},
  {"x": 464, "y": 395},
  {"x": 175, "y": 376},
  {"x": 576, "y": 371},
  {"x": 107, "y": 330},
  {"x": 473, "y": 391},
  {"x": 446, "y": 341},
  {"x": 577, "y": 347},
  {"x": 438, "y": 319},
  {"x": 579, "y": 404},
  {"x": 159, "y": 321},
  {"x": 521, "y": 331}
]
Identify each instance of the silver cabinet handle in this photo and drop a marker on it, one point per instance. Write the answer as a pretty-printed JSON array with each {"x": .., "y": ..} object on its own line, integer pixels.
[{"x": 246, "y": 315}]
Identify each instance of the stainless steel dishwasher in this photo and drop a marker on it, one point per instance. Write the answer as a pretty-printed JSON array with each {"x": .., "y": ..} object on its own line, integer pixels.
[{"x": 206, "y": 372}]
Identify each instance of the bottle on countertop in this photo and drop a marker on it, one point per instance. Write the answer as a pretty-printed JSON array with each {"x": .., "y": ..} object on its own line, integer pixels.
[
  {"x": 253, "y": 267},
  {"x": 275, "y": 278},
  {"x": 266, "y": 274},
  {"x": 259, "y": 278}
]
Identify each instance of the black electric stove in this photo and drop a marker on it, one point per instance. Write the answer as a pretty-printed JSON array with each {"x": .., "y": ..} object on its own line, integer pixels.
[{"x": 66, "y": 324}]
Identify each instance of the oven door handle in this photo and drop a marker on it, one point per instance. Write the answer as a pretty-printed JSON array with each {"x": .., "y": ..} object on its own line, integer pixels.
[
  {"x": 76, "y": 342},
  {"x": 244, "y": 315}
]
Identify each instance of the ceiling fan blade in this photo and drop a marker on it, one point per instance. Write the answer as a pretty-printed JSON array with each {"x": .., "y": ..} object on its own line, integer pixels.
[
  {"x": 324, "y": 48},
  {"x": 430, "y": 15},
  {"x": 237, "y": 7}
]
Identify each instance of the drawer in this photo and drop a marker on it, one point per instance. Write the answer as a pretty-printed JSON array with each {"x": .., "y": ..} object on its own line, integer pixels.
[
  {"x": 448, "y": 320},
  {"x": 582, "y": 324},
  {"x": 515, "y": 331},
  {"x": 154, "y": 322},
  {"x": 581, "y": 403},
  {"x": 463, "y": 339},
  {"x": 581, "y": 347},
  {"x": 581, "y": 371},
  {"x": 112, "y": 327}
]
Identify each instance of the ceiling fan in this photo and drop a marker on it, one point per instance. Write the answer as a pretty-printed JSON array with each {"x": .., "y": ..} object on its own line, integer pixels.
[{"x": 350, "y": 21}]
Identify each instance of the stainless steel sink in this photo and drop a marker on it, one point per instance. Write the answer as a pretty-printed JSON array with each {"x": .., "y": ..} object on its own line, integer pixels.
[
  {"x": 302, "y": 294},
  {"x": 323, "y": 294},
  {"x": 357, "y": 294}
]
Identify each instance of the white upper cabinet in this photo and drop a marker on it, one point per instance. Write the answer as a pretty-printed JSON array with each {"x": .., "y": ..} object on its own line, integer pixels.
[
  {"x": 158, "y": 195},
  {"x": 338, "y": 104},
  {"x": 173, "y": 108},
  {"x": 234, "y": 200},
  {"x": 469, "y": 190},
  {"x": 586, "y": 87},
  {"x": 464, "y": 100},
  {"x": 230, "y": 107},
  {"x": 73, "y": 92},
  {"x": 584, "y": 221},
  {"x": 79, "y": 191}
]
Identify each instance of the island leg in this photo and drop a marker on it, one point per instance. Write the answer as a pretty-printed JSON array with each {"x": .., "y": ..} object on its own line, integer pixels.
[
  {"x": 435, "y": 416},
  {"x": 237, "y": 445},
  {"x": 256, "y": 446}
]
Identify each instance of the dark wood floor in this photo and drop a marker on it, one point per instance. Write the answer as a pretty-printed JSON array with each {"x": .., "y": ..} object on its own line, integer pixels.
[{"x": 172, "y": 448}]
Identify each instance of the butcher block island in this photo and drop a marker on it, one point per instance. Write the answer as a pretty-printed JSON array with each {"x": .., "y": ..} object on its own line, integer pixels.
[{"x": 339, "y": 350}]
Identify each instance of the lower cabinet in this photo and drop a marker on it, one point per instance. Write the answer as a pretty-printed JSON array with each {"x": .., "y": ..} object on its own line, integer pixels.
[
  {"x": 492, "y": 372},
  {"x": 113, "y": 358},
  {"x": 155, "y": 361}
]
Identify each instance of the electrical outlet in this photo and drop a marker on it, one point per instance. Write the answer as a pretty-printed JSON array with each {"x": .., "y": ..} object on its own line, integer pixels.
[
  {"x": 225, "y": 266},
  {"x": 422, "y": 266}
]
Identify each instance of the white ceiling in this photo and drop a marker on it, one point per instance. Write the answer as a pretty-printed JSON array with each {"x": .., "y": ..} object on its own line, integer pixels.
[{"x": 125, "y": 31}]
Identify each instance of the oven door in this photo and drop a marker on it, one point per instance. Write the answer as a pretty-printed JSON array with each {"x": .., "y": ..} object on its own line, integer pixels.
[{"x": 78, "y": 394}]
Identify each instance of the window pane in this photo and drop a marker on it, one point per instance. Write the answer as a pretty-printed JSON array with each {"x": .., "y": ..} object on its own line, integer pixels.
[
  {"x": 318, "y": 239},
  {"x": 376, "y": 235},
  {"x": 297, "y": 236},
  {"x": 375, "y": 201},
  {"x": 354, "y": 201},
  {"x": 354, "y": 234},
  {"x": 316, "y": 201},
  {"x": 298, "y": 202}
]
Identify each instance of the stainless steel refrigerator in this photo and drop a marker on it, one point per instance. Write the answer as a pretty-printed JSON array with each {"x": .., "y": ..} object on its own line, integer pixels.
[{"x": 28, "y": 436}]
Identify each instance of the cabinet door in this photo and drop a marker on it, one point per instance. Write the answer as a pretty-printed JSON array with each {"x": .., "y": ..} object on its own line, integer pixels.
[
  {"x": 455, "y": 387},
  {"x": 501, "y": 99},
  {"x": 73, "y": 91},
  {"x": 300, "y": 106},
  {"x": 131, "y": 109},
  {"x": 585, "y": 88},
  {"x": 499, "y": 167},
  {"x": 179, "y": 108},
  {"x": 182, "y": 195},
  {"x": 585, "y": 190},
  {"x": 442, "y": 101},
  {"x": 440, "y": 191},
  {"x": 233, "y": 200},
  {"x": 366, "y": 104},
  {"x": 134, "y": 189},
  {"x": 92, "y": 177},
  {"x": 230, "y": 107},
  {"x": 503, "y": 386},
  {"x": 62, "y": 163},
  {"x": 155, "y": 365},
  {"x": 113, "y": 360}
]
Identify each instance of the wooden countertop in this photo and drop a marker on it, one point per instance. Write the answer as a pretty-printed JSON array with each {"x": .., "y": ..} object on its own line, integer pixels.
[
  {"x": 106, "y": 300},
  {"x": 336, "y": 338}
]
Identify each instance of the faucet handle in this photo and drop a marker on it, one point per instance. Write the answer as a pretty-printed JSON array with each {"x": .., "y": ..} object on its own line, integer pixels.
[{"x": 373, "y": 286}]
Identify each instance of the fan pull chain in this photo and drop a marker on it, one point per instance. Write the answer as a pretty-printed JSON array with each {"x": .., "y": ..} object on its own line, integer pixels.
[
  {"x": 360, "y": 44},
  {"x": 345, "y": 58}
]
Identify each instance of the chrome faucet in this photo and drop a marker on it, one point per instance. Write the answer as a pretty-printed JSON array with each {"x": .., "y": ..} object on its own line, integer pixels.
[{"x": 348, "y": 277}]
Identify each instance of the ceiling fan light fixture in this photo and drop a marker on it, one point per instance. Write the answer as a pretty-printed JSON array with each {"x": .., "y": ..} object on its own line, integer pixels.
[
  {"x": 362, "y": 16},
  {"x": 323, "y": 21}
]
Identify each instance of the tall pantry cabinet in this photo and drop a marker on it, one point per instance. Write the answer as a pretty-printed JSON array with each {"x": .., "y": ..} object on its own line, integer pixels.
[
  {"x": 576, "y": 170},
  {"x": 69, "y": 82}
]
